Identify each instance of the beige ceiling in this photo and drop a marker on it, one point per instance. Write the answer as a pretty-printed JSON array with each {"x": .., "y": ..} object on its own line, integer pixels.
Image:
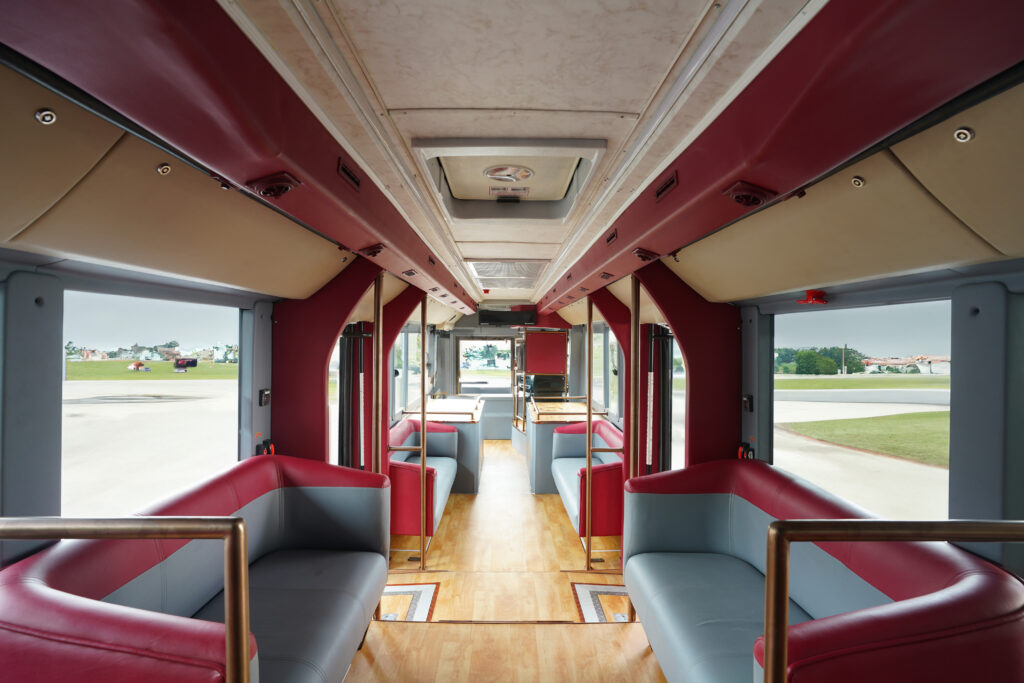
[{"x": 645, "y": 77}]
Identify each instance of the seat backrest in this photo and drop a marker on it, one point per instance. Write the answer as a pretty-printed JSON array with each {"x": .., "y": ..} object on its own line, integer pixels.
[
  {"x": 286, "y": 503},
  {"x": 570, "y": 440},
  {"x": 442, "y": 439}
]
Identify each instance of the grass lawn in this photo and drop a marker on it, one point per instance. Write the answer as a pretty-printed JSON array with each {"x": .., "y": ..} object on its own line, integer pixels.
[
  {"x": 678, "y": 384},
  {"x": 923, "y": 437},
  {"x": 866, "y": 382},
  {"x": 118, "y": 369}
]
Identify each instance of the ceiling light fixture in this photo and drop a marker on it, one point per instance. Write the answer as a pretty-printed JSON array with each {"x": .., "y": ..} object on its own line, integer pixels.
[{"x": 508, "y": 174}]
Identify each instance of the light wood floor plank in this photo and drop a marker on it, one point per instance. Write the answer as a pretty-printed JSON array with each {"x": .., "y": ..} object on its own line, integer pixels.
[
  {"x": 397, "y": 651},
  {"x": 505, "y": 555}
]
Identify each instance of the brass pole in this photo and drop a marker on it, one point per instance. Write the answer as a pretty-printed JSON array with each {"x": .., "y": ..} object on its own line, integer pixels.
[
  {"x": 515, "y": 389},
  {"x": 378, "y": 366},
  {"x": 782, "y": 533},
  {"x": 423, "y": 433},
  {"x": 634, "y": 377},
  {"x": 236, "y": 561},
  {"x": 376, "y": 414},
  {"x": 590, "y": 429}
]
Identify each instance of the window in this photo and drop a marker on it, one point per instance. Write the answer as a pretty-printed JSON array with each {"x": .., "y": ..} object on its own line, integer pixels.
[
  {"x": 600, "y": 397},
  {"x": 678, "y": 407},
  {"x": 333, "y": 373},
  {"x": 861, "y": 405},
  {"x": 615, "y": 380},
  {"x": 136, "y": 427},
  {"x": 485, "y": 366},
  {"x": 405, "y": 372}
]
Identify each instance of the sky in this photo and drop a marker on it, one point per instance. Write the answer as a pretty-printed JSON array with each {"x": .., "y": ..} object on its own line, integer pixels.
[
  {"x": 879, "y": 331},
  {"x": 106, "y": 322}
]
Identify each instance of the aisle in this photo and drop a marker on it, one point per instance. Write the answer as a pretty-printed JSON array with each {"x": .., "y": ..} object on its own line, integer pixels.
[{"x": 506, "y": 554}]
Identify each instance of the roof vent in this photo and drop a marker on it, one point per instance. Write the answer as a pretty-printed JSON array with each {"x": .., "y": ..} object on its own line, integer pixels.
[
  {"x": 749, "y": 195},
  {"x": 275, "y": 185}
]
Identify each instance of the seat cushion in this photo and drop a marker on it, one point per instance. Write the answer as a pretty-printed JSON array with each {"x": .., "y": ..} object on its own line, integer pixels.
[
  {"x": 308, "y": 611},
  {"x": 701, "y": 612},
  {"x": 446, "y": 469}
]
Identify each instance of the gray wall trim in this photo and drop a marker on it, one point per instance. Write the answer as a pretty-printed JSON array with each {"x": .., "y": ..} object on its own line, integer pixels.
[
  {"x": 904, "y": 289},
  {"x": 758, "y": 339},
  {"x": 31, "y": 377},
  {"x": 578, "y": 360},
  {"x": 89, "y": 277},
  {"x": 978, "y": 408},
  {"x": 255, "y": 334}
]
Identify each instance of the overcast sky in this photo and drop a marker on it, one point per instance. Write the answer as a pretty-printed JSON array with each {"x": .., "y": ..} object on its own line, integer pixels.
[
  {"x": 879, "y": 331},
  {"x": 105, "y": 322}
]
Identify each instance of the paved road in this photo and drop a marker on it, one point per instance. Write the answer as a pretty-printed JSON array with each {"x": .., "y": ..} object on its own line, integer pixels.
[
  {"x": 127, "y": 444},
  {"x": 927, "y": 396}
]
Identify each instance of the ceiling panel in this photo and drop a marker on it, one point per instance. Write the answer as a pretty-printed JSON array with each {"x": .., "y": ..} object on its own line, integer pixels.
[
  {"x": 979, "y": 179},
  {"x": 535, "y": 54},
  {"x": 839, "y": 232},
  {"x": 507, "y": 250}
]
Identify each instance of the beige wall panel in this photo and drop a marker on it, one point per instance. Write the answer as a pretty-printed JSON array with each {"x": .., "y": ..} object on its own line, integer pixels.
[
  {"x": 363, "y": 312},
  {"x": 183, "y": 224},
  {"x": 649, "y": 312},
  {"x": 40, "y": 164},
  {"x": 524, "y": 233},
  {"x": 980, "y": 180},
  {"x": 439, "y": 314},
  {"x": 837, "y": 233}
]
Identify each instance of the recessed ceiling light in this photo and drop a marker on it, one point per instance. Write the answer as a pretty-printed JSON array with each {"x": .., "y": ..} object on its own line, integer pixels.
[{"x": 508, "y": 174}]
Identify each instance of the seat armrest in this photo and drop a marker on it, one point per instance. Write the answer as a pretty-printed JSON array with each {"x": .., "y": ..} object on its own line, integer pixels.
[
  {"x": 607, "y": 506},
  {"x": 405, "y": 497}
]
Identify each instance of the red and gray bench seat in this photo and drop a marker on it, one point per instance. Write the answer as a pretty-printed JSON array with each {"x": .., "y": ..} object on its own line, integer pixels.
[
  {"x": 694, "y": 549},
  {"x": 569, "y": 471},
  {"x": 152, "y": 610},
  {"x": 404, "y": 470}
]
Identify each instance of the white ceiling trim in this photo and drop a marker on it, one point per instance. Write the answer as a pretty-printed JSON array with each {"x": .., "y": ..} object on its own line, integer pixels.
[{"x": 730, "y": 22}]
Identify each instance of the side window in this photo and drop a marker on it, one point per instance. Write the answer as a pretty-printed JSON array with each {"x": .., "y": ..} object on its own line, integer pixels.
[
  {"x": 861, "y": 405},
  {"x": 150, "y": 400},
  {"x": 678, "y": 408},
  {"x": 405, "y": 372},
  {"x": 616, "y": 378},
  {"x": 600, "y": 382}
]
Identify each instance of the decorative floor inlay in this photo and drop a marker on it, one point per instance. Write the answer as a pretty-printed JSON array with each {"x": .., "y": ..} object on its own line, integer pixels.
[
  {"x": 599, "y": 603},
  {"x": 408, "y": 601}
]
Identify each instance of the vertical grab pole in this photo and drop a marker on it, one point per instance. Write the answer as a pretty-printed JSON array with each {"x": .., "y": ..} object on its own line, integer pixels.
[
  {"x": 590, "y": 426},
  {"x": 634, "y": 377},
  {"x": 376, "y": 414},
  {"x": 423, "y": 433},
  {"x": 634, "y": 389}
]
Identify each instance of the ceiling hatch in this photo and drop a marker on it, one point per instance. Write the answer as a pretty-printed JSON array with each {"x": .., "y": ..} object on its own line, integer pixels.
[
  {"x": 507, "y": 274},
  {"x": 512, "y": 179}
]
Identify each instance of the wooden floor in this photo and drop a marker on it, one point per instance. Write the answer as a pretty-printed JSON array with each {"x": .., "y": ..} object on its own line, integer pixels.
[{"x": 505, "y": 555}]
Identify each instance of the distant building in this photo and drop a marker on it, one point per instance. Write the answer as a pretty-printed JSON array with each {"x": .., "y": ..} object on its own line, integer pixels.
[{"x": 928, "y": 365}]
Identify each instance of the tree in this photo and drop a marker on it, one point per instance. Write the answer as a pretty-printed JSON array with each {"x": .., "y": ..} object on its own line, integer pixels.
[
  {"x": 71, "y": 350},
  {"x": 854, "y": 358},
  {"x": 826, "y": 366},
  {"x": 807, "y": 362}
]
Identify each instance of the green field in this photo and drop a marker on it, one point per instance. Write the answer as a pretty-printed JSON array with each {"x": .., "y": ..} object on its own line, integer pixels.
[
  {"x": 923, "y": 437},
  {"x": 118, "y": 369},
  {"x": 866, "y": 382}
]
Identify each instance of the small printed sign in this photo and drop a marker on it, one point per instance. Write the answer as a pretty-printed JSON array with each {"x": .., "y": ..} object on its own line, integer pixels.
[{"x": 521, "y": 192}]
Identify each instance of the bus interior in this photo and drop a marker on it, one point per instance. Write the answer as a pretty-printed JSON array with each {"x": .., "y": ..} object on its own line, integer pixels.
[{"x": 508, "y": 290}]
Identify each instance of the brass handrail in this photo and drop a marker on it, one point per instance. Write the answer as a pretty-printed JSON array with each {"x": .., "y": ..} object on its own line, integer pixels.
[
  {"x": 783, "y": 532},
  {"x": 236, "y": 561}
]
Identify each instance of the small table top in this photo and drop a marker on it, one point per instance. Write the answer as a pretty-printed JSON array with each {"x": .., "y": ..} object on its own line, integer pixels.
[{"x": 451, "y": 410}]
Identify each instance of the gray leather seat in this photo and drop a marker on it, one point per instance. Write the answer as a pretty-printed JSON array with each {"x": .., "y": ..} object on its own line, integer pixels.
[
  {"x": 308, "y": 610},
  {"x": 723, "y": 600}
]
